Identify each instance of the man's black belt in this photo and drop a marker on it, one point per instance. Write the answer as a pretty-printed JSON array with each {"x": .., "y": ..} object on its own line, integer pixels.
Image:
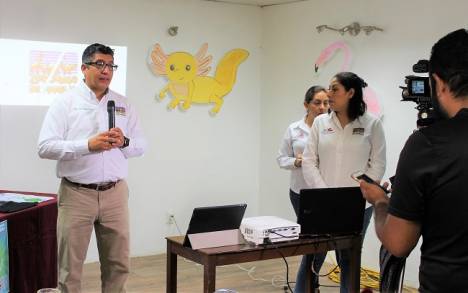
[{"x": 97, "y": 187}]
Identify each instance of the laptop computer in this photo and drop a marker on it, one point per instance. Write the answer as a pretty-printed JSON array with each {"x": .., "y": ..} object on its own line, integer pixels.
[
  {"x": 215, "y": 218},
  {"x": 331, "y": 211}
]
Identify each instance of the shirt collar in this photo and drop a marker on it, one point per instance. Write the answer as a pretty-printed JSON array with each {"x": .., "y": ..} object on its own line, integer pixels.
[
  {"x": 302, "y": 125},
  {"x": 89, "y": 93},
  {"x": 335, "y": 120}
]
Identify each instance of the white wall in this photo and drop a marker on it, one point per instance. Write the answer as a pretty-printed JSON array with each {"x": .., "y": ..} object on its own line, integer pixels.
[
  {"x": 291, "y": 45},
  {"x": 193, "y": 159}
]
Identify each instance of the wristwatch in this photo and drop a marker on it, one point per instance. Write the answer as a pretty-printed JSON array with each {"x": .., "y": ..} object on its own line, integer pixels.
[{"x": 126, "y": 142}]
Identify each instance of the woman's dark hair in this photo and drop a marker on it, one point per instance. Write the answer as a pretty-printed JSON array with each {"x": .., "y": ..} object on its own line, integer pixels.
[
  {"x": 89, "y": 52},
  {"x": 312, "y": 91},
  {"x": 349, "y": 80}
]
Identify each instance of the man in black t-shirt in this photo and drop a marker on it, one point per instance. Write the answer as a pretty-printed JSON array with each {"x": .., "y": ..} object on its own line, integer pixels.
[{"x": 430, "y": 192}]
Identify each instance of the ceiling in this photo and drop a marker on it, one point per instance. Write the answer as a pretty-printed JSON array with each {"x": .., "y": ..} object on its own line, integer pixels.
[{"x": 259, "y": 3}]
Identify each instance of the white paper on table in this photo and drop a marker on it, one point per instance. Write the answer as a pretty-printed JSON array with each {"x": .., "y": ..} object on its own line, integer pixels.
[{"x": 16, "y": 197}]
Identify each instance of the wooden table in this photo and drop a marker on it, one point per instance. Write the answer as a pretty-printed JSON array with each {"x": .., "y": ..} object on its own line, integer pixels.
[{"x": 210, "y": 258}]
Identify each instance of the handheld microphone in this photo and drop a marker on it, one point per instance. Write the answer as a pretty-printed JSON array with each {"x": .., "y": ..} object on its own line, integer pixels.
[{"x": 111, "y": 113}]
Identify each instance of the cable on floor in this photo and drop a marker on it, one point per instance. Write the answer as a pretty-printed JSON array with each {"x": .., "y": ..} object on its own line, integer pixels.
[
  {"x": 369, "y": 279},
  {"x": 276, "y": 281}
]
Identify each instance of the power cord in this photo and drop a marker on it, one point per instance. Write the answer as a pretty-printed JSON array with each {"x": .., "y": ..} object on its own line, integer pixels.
[
  {"x": 282, "y": 236},
  {"x": 312, "y": 263},
  {"x": 318, "y": 273},
  {"x": 175, "y": 223},
  {"x": 268, "y": 241},
  {"x": 368, "y": 279},
  {"x": 276, "y": 281},
  {"x": 173, "y": 218}
]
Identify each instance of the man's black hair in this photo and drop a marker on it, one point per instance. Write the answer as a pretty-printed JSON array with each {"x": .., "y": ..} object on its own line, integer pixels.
[
  {"x": 349, "y": 80},
  {"x": 89, "y": 52},
  {"x": 449, "y": 60}
]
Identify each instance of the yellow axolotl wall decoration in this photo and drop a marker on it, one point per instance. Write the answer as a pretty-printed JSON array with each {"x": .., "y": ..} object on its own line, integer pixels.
[{"x": 188, "y": 82}]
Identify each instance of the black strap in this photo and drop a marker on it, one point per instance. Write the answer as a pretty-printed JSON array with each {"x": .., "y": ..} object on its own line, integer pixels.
[{"x": 391, "y": 271}]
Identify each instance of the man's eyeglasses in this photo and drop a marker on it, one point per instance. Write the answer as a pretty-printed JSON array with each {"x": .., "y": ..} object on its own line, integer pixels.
[{"x": 101, "y": 65}]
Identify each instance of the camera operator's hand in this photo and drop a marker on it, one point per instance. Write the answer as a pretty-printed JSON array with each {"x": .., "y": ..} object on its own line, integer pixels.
[{"x": 373, "y": 193}]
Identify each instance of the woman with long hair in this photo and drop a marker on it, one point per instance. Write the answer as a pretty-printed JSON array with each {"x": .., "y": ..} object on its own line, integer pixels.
[{"x": 346, "y": 140}]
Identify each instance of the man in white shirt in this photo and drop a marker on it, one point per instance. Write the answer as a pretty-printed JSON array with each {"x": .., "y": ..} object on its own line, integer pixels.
[{"x": 92, "y": 162}]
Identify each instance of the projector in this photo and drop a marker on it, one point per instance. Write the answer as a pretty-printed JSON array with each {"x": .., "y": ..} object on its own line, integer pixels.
[{"x": 265, "y": 229}]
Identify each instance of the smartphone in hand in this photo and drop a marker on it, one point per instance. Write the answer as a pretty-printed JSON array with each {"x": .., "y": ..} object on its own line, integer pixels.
[{"x": 359, "y": 175}]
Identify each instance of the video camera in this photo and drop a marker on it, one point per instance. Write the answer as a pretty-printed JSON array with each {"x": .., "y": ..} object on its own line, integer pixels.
[{"x": 417, "y": 90}]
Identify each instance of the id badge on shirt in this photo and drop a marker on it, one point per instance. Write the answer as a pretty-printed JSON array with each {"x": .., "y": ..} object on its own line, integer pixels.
[
  {"x": 358, "y": 131},
  {"x": 120, "y": 111}
]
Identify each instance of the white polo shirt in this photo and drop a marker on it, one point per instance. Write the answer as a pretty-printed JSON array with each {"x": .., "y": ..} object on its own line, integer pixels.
[
  {"x": 293, "y": 143},
  {"x": 333, "y": 153},
  {"x": 72, "y": 119}
]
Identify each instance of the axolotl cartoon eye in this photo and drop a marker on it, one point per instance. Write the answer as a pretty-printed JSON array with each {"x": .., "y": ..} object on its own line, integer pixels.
[
  {"x": 188, "y": 67},
  {"x": 172, "y": 67}
]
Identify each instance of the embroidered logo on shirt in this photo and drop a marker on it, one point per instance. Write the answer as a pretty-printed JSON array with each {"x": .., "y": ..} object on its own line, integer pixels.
[
  {"x": 358, "y": 131},
  {"x": 328, "y": 130},
  {"x": 120, "y": 111}
]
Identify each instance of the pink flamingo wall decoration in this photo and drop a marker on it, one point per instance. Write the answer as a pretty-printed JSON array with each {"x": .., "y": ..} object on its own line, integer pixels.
[{"x": 370, "y": 97}]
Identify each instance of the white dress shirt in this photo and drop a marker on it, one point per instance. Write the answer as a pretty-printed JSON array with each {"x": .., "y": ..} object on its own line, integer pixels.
[
  {"x": 72, "y": 119},
  {"x": 293, "y": 143},
  {"x": 333, "y": 153}
]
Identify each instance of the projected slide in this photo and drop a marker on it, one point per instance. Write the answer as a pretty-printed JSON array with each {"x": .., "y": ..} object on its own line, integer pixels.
[{"x": 34, "y": 73}]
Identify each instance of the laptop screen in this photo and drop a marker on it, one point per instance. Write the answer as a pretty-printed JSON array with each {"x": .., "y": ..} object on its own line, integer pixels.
[
  {"x": 331, "y": 211},
  {"x": 215, "y": 218}
]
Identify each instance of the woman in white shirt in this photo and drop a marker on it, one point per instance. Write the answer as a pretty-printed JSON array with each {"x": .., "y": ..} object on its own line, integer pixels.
[
  {"x": 346, "y": 140},
  {"x": 290, "y": 157}
]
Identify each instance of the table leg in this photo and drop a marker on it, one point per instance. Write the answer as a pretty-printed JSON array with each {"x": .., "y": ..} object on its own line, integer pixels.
[
  {"x": 171, "y": 270},
  {"x": 355, "y": 265},
  {"x": 209, "y": 278},
  {"x": 309, "y": 274}
]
